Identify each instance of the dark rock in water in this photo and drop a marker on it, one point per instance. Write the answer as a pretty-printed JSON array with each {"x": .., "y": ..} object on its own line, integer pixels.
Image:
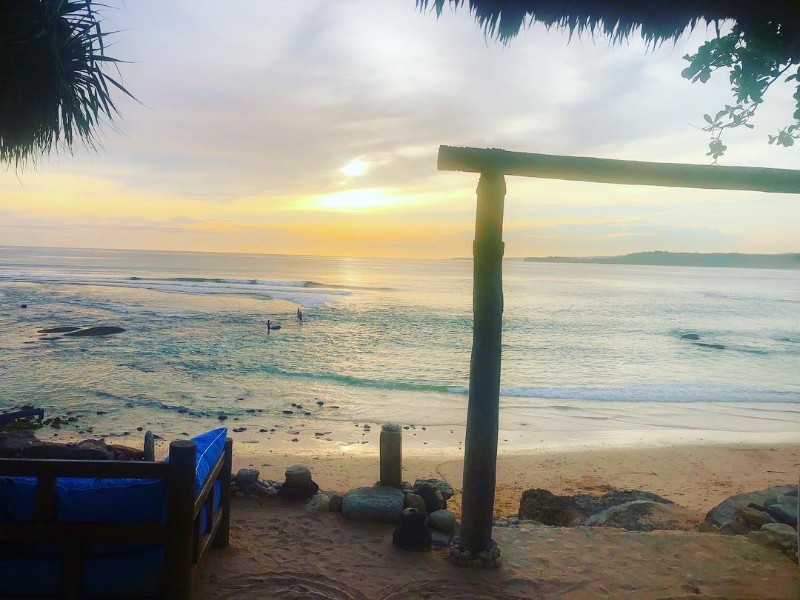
[
  {"x": 690, "y": 336},
  {"x": 592, "y": 505},
  {"x": 441, "y": 486},
  {"x": 51, "y": 338},
  {"x": 383, "y": 504},
  {"x": 645, "y": 515},
  {"x": 222, "y": 417},
  {"x": 715, "y": 346},
  {"x": 545, "y": 507},
  {"x": 58, "y": 330},
  {"x": 726, "y": 510},
  {"x": 95, "y": 331},
  {"x": 433, "y": 498},
  {"x": 23, "y": 306},
  {"x": 412, "y": 533}
]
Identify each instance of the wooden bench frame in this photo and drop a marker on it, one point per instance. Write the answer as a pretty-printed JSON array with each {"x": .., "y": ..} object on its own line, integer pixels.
[{"x": 183, "y": 537}]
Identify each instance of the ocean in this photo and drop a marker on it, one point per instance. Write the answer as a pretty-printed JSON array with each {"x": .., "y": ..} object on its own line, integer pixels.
[{"x": 604, "y": 355}]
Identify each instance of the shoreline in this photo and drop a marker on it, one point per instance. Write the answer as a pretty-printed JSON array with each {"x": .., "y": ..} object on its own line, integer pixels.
[{"x": 696, "y": 476}]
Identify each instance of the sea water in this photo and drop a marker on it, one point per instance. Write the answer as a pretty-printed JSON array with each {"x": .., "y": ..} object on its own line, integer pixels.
[{"x": 603, "y": 354}]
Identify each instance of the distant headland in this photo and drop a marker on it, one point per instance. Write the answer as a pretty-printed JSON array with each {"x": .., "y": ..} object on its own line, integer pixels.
[{"x": 686, "y": 259}]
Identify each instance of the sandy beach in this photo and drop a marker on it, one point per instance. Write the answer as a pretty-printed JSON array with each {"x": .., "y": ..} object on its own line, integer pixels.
[{"x": 280, "y": 551}]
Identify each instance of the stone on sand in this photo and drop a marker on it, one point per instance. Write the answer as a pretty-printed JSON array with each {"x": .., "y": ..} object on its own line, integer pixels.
[{"x": 383, "y": 504}]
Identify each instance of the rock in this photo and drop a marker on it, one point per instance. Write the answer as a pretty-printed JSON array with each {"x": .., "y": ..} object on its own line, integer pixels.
[
  {"x": 412, "y": 533},
  {"x": 645, "y": 515},
  {"x": 58, "y": 330},
  {"x": 442, "y": 520},
  {"x": 441, "y": 539},
  {"x": 125, "y": 452},
  {"x": 149, "y": 446},
  {"x": 593, "y": 505},
  {"x": 752, "y": 516},
  {"x": 246, "y": 480},
  {"x": 384, "y": 504},
  {"x": 444, "y": 488},
  {"x": 298, "y": 492},
  {"x": 433, "y": 498},
  {"x": 319, "y": 503},
  {"x": 690, "y": 336},
  {"x": 95, "y": 331},
  {"x": 416, "y": 502},
  {"x": 298, "y": 475},
  {"x": 783, "y": 509},
  {"x": 336, "y": 503},
  {"x": 725, "y": 510},
  {"x": 545, "y": 507},
  {"x": 735, "y": 527},
  {"x": 23, "y": 306},
  {"x": 777, "y": 534}
]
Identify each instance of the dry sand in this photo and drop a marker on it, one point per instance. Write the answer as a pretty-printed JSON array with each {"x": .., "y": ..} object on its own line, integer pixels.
[{"x": 279, "y": 551}]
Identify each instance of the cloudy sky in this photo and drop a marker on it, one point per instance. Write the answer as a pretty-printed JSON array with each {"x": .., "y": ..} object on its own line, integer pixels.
[{"x": 312, "y": 127}]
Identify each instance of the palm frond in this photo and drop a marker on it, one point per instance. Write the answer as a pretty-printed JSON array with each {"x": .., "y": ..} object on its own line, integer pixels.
[{"x": 53, "y": 87}]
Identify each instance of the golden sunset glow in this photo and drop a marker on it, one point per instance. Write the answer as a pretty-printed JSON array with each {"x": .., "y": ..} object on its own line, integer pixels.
[{"x": 289, "y": 139}]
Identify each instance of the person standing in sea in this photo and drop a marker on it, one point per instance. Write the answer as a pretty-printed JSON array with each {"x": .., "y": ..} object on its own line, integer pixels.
[{"x": 299, "y": 315}]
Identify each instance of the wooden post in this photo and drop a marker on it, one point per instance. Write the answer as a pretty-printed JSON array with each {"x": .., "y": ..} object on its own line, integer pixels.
[
  {"x": 480, "y": 453},
  {"x": 391, "y": 455},
  {"x": 180, "y": 520},
  {"x": 222, "y": 537}
]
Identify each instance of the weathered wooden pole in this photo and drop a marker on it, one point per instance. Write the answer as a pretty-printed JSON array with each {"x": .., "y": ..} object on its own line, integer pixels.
[{"x": 480, "y": 454}]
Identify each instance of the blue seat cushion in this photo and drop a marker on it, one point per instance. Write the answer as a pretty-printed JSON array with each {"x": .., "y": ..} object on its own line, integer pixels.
[{"x": 210, "y": 446}]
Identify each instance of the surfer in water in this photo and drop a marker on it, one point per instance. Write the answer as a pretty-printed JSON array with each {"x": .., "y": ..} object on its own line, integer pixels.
[
  {"x": 299, "y": 315},
  {"x": 269, "y": 326}
]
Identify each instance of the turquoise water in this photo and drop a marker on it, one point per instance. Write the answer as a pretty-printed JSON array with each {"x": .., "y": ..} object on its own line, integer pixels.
[{"x": 389, "y": 339}]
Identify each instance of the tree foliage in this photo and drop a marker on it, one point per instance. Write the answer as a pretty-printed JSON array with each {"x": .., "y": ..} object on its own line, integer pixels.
[
  {"x": 756, "y": 59},
  {"x": 53, "y": 86}
]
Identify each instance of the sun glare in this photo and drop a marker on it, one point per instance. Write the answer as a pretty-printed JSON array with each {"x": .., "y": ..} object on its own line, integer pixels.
[
  {"x": 355, "y": 200},
  {"x": 355, "y": 168}
]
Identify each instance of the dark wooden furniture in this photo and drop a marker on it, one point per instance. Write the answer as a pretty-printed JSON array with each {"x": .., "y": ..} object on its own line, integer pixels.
[{"x": 186, "y": 535}]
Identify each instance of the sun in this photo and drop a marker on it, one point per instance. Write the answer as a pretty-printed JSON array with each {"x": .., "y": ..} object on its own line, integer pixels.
[{"x": 355, "y": 168}]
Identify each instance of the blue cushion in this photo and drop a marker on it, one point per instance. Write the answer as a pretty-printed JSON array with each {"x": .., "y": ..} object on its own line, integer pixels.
[
  {"x": 130, "y": 575},
  {"x": 210, "y": 446}
]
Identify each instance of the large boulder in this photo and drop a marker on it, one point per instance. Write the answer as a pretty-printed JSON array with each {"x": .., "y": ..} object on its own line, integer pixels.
[
  {"x": 545, "y": 507},
  {"x": 383, "y": 504},
  {"x": 777, "y": 534},
  {"x": 593, "y": 505},
  {"x": 645, "y": 515},
  {"x": 725, "y": 511}
]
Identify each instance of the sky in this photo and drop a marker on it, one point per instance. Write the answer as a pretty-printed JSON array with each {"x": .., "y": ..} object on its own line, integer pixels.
[{"x": 312, "y": 127}]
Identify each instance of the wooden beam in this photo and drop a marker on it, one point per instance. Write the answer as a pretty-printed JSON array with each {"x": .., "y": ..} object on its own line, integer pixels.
[
  {"x": 626, "y": 172},
  {"x": 483, "y": 412}
]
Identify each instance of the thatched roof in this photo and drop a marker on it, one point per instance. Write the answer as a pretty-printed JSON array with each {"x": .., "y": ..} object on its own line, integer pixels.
[
  {"x": 53, "y": 88},
  {"x": 659, "y": 20}
]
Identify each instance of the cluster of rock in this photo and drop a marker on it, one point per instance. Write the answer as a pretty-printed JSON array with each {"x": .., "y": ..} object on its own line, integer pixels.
[
  {"x": 768, "y": 517},
  {"x": 424, "y": 502},
  {"x": 23, "y": 443},
  {"x": 485, "y": 559},
  {"x": 297, "y": 485},
  {"x": 633, "y": 510},
  {"x": 420, "y": 509}
]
